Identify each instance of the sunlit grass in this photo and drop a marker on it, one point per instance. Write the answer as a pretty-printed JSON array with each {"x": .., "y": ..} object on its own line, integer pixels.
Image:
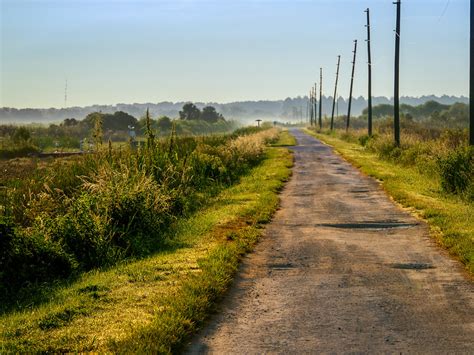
[
  {"x": 153, "y": 304},
  {"x": 286, "y": 140}
]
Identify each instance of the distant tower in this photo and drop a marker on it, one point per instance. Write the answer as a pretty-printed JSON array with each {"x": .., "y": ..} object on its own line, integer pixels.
[{"x": 65, "y": 95}]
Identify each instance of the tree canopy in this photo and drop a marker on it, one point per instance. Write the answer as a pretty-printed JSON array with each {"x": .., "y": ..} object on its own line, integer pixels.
[
  {"x": 69, "y": 122},
  {"x": 190, "y": 112},
  {"x": 209, "y": 114},
  {"x": 381, "y": 110},
  {"x": 118, "y": 121}
]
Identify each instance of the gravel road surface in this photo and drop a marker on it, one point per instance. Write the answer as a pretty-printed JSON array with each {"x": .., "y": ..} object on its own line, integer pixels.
[{"x": 342, "y": 269}]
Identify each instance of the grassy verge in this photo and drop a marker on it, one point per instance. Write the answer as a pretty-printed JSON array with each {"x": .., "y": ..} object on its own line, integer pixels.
[
  {"x": 285, "y": 140},
  {"x": 153, "y": 304},
  {"x": 450, "y": 218}
]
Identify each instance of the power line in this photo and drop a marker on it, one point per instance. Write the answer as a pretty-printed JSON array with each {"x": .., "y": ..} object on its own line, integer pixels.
[{"x": 444, "y": 11}]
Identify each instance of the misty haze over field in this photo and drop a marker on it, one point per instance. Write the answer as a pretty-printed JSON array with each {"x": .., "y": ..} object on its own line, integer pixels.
[{"x": 290, "y": 109}]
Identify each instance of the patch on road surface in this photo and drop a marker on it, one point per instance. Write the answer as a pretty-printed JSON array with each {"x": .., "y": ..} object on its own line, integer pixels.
[
  {"x": 369, "y": 225},
  {"x": 412, "y": 266}
]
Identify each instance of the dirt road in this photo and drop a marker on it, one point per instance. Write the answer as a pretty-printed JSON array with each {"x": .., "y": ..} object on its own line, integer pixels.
[{"x": 342, "y": 269}]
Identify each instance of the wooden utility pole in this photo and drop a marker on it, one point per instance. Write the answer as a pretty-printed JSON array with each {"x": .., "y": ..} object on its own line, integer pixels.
[
  {"x": 321, "y": 98},
  {"x": 396, "y": 94},
  {"x": 471, "y": 80},
  {"x": 311, "y": 106},
  {"x": 315, "y": 104},
  {"x": 307, "y": 110},
  {"x": 352, "y": 84},
  {"x": 335, "y": 92},
  {"x": 369, "y": 62}
]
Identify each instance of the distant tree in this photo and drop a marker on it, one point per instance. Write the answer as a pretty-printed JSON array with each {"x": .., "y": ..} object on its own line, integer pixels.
[
  {"x": 164, "y": 123},
  {"x": 69, "y": 122},
  {"x": 21, "y": 135},
  {"x": 459, "y": 112},
  {"x": 89, "y": 120},
  {"x": 381, "y": 110},
  {"x": 430, "y": 107},
  {"x": 190, "y": 112},
  {"x": 118, "y": 121},
  {"x": 209, "y": 114}
]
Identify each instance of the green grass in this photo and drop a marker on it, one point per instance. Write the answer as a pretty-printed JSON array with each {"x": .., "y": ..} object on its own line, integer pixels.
[
  {"x": 451, "y": 219},
  {"x": 154, "y": 304},
  {"x": 285, "y": 140}
]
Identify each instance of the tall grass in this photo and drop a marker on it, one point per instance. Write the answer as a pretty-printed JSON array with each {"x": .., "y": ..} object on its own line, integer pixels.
[{"x": 97, "y": 209}]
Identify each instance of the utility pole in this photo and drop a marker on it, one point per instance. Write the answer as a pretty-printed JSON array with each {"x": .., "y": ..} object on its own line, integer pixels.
[
  {"x": 315, "y": 104},
  {"x": 369, "y": 61},
  {"x": 321, "y": 97},
  {"x": 352, "y": 84},
  {"x": 396, "y": 94},
  {"x": 335, "y": 92},
  {"x": 307, "y": 111},
  {"x": 311, "y": 106},
  {"x": 471, "y": 80}
]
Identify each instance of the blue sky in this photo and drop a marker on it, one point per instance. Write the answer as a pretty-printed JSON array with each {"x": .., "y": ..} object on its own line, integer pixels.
[{"x": 125, "y": 51}]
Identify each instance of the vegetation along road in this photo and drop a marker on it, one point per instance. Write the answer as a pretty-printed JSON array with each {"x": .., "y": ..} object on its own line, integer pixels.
[{"x": 342, "y": 268}]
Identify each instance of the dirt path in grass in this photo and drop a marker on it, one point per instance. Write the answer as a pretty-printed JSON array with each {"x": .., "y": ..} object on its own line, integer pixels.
[{"x": 342, "y": 269}]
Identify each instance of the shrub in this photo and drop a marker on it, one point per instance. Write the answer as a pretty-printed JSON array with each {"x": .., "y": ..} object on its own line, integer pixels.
[
  {"x": 453, "y": 138},
  {"x": 29, "y": 259},
  {"x": 457, "y": 171},
  {"x": 207, "y": 166},
  {"x": 120, "y": 213},
  {"x": 364, "y": 139}
]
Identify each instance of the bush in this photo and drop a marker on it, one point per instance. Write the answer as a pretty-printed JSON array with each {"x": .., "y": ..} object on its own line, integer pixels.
[
  {"x": 120, "y": 213},
  {"x": 384, "y": 147},
  {"x": 29, "y": 259},
  {"x": 457, "y": 171},
  {"x": 364, "y": 139}
]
